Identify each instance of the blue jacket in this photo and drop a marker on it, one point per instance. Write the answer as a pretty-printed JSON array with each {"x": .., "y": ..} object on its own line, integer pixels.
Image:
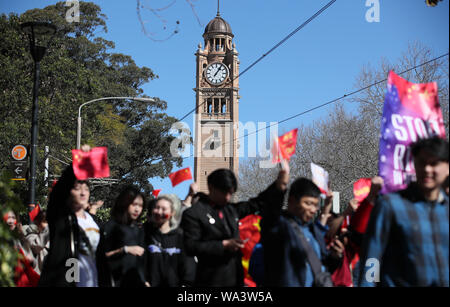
[
  {"x": 407, "y": 241},
  {"x": 285, "y": 260}
]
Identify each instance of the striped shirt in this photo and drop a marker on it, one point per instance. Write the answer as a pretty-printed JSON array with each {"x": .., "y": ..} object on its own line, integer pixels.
[{"x": 408, "y": 240}]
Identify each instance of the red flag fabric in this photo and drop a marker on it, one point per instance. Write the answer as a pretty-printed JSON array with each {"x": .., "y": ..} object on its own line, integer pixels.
[
  {"x": 156, "y": 192},
  {"x": 91, "y": 164},
  {"x": 33, "y": 213},
  {"x": 180, "y": 176},
  {"x": 342, "y": 276},
  {"x": 287, "y": 143},
  {"x": 361, "y": 189},
  {"x": 250, "y": 233},
  {"x": 24, "y": 274},
  {"x": 360, "y": 218},
  {"x": 275, "y": 151}
]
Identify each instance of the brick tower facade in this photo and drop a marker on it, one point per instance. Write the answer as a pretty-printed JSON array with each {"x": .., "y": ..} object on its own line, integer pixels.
[{"x": 217, "y": 102}]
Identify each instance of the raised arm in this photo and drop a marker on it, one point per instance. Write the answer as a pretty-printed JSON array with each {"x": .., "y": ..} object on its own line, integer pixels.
[{"x": 268, "y": 200}]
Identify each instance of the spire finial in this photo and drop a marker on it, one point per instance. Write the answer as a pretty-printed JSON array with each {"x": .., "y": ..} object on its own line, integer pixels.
[{"x": 218, "y": 7}]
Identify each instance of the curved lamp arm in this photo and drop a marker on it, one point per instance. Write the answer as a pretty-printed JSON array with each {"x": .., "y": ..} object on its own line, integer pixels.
[{"x": 99, "y": 99}]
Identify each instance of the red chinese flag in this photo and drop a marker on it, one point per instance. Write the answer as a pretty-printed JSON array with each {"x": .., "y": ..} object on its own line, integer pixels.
[
  {"x": 287, "y": 143},
  {"x": 33, "y": 213},
  {"x": 361, "y": 188},
  {"x": 180, "y": 176},
  {"x": 250, "y": 232},
  {"x": 156, "y": 192},
  {"x": 91, "y": 164}
]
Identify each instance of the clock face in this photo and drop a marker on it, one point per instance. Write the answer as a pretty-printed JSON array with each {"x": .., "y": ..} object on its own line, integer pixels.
[{"x": 216, "y": 73}]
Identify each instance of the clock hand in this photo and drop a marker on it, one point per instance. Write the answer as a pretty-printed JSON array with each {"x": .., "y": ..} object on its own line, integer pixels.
[{"x": 218, "y": 69}]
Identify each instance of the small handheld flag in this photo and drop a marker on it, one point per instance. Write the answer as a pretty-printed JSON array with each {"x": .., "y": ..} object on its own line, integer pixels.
[
  {"x": 361, "y": 189},
  {"x": 287, "y": 143},
  {"x": 283, "y": 147},
  {"x": 156, "y": 192},
  {"x": 33, "y": 213},
  {"x": 91, "y": 164},
  {"x": 180, "y": 176}
]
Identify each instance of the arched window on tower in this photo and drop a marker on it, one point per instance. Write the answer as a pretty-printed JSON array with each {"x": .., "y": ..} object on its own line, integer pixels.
[
  {"x": 223, "y": 106},
  {"x": 216, "y": 105},
  {"x": 219, "y": 45},
  {"x": 209, "y": 105}
]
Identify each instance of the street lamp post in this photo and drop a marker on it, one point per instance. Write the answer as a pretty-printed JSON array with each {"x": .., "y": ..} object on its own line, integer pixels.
[
  {"x": 99, "y": 99},
  {"x": 40, "y": 35}
]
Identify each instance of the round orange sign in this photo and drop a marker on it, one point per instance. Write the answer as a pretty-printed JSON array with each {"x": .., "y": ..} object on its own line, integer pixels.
[{"x": 19, "y": 152}]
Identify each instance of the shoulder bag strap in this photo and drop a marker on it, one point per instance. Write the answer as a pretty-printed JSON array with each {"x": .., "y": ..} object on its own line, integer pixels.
[{"x": 313, "y": 259}]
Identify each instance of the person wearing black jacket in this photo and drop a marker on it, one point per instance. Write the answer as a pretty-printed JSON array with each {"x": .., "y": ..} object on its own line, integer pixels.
[
  {"x": 211, "y": 228},
  {"x": 120, "y": 255},
  {"x": 167, "y": 263}
]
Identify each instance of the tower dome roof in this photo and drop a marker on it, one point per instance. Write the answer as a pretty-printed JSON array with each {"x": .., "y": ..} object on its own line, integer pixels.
[{"x": 218, "y": 26}]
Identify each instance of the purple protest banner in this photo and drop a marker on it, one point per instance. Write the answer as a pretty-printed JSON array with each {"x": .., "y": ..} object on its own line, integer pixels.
[{"x": 411, "y": 112}]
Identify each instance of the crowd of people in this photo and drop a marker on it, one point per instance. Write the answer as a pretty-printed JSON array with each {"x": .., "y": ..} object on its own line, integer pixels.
[{"x": 395, "y": 239}]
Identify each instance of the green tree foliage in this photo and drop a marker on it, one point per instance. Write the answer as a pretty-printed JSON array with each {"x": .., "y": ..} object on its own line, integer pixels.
[
  {"x": 8, "y": 255},
  {"x": 80, "y": 66}
]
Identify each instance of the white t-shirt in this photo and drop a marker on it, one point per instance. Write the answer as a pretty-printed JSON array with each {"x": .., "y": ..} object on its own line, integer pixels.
[{"x": 87, "y": 266}]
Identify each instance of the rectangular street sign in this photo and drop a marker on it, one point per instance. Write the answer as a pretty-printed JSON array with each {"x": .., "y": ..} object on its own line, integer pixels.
[{"x": 19, "y": 169}]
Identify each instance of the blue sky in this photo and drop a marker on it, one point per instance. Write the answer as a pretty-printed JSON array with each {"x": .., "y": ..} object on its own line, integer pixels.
[{"x": 316, "y": 65}]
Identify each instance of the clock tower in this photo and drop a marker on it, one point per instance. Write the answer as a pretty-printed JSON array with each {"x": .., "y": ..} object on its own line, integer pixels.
[{"x": 217, "y": 102}]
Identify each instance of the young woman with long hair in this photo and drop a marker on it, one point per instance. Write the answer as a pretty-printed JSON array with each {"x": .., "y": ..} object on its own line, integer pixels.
[
  {"x": 122, "y": 242},
  {"x": 74, "y": 235}
]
